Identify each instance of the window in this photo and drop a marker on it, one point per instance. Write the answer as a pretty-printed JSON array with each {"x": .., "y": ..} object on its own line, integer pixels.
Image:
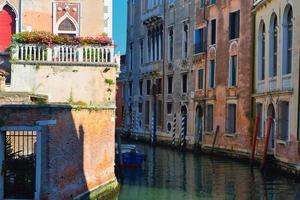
[
  {"x": 171, "y": 45},
  {"x": 169, "y": 107},
  {"x": 130, "y": 89},
  {"x": 233, "y": 71},
  {"x": 213, "y": 31},
  {"x": 287, "y": 40},
  {"x": 200, "y": 40},
  {"x": 234, "y": 25},
  {"x": 259, "y": 113},
  {"x": 261, "y": 52},
  {"x": 210, "y": 118},
  {"x": 147, "y": 112},
  {"x": 159, "y": 113},
  {"x": 158, "y": 86},
  {"x": 211, "y": 77},
  {"x": 140, "y": 107},
  {"x": 231, "y": 118},
  {"x": 142, "y": 51},
  {"x": 212, "y": 2},
  {"x": 184, "y": 83},
  {"x": 141, "y": 87},
  {"x": 202, "y": 3},
  {"x": 283, "y": 120},
  {"x": 185, "y": 39},
  {"x": 170, "y": 84},
  {"x": 149, "y": 46},
  {"x": 67, "y": 25},
  {"x": 273, "y": 46},
  {"x": 148, "y": 87},
  {"x": 201, "y": 79}
]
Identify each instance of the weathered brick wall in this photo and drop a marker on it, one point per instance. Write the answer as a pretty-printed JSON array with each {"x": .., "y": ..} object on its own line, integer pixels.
[
  {"x": 120, "y": 104},
  {"x": 77, "y": 152}
]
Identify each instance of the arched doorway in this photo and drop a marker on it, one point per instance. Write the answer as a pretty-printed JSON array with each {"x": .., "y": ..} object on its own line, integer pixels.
[
  {"x": 183, "y": 132},
  {"x": 199, "y": 124},
  {"x": 271, "y": 113},
  {"x": 7, "y": 27}
]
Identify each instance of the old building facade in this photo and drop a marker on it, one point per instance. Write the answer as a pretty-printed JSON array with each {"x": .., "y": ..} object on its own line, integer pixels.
[
  {"x": 58, "y": 107},
  {"x": 159, "y": 62},
  {"x": 223, "y": 61},
  {"x": 276, "y": 77}
]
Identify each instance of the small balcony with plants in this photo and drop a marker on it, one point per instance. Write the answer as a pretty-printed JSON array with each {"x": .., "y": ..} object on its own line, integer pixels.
[{"x": 48, "y": 48}]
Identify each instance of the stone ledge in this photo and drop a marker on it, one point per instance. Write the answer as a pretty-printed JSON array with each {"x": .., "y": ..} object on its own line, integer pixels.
[
  {"x": 107, "y": 190},
  {"x": 62, "y": 106},
  {"x": 79, "y": 64}
]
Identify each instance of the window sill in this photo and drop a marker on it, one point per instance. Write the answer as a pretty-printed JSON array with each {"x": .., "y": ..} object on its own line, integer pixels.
[
  {"x": 209, "y": 133},
  {"x": 231, "y": 135},
  {"x": 234, "y": 40},
  {"x": 212, "y": 46},
  {"x": 282, "y": 142}
]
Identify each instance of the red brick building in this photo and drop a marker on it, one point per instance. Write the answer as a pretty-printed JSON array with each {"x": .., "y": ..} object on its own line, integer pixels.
[{"x": 223, "y": 60}]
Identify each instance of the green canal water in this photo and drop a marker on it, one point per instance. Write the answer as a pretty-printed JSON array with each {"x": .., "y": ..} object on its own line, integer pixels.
[{"x": 171, "y": 175}]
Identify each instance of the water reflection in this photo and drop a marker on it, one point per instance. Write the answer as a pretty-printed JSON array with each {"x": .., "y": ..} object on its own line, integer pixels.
[{"x": 169, "y": 174}]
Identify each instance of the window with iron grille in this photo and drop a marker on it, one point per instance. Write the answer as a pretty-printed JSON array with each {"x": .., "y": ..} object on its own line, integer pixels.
[
  {"x": 234, "y": 25},
  {"x": 284, "y": 120},
  {"x": 209, "y": 118},
  {"x": 231, "y": 118},
  {"x": 130, "y": 89}
]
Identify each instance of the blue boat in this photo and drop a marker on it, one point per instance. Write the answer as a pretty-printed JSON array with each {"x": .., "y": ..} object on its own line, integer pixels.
[{"x": 131, "y": 157}]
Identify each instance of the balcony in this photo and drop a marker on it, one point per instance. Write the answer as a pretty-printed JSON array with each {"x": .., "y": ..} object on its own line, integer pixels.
[
  {"x": 153, "y": 15},
  {"x": 63, "y": 54},
  {"x": 260, "y": 87},
  {"x": 287, "y": 82},
  {"x": 155, "y": 66}
]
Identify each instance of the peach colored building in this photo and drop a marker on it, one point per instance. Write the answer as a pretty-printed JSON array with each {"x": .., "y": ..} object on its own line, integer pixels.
[{"x": 276, "y": 78}]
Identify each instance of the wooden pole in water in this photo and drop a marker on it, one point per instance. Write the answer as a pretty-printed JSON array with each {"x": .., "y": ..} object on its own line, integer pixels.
[
  {"x": 215, "y": 139},
  {"x": 257, "y": 120},
  {"x": 266, "y": 142}
]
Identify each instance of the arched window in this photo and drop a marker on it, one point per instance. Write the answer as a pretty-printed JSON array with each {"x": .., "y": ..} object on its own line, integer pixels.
[
  {"x": 273, "y": 46},
  {"x": 261, "y": 51},
  {"x": 67, "y": 25},
  {"x": 287, "y": 40},
  {"x": 7, "y": 27}
]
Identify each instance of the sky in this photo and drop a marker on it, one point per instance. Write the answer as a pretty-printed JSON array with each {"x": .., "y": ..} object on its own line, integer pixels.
[{"x": 119, "y": 25}]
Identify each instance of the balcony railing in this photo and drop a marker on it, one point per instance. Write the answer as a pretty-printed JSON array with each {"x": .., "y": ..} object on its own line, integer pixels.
[{"x": 63, "y": 54}]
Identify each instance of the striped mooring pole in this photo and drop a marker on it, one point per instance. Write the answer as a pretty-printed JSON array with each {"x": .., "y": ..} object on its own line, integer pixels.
[
  {"x": 183, "y": 123},
  {"x": 174, "y": 129},
  {"x": 152, "y": 129}
]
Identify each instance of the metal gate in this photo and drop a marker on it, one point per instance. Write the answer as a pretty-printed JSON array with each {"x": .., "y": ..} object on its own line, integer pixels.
[{"x": 19, "y": 165}]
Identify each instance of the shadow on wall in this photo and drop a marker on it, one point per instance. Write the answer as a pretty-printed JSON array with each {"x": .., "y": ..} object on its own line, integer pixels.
[{"x": 63, "y": 174}]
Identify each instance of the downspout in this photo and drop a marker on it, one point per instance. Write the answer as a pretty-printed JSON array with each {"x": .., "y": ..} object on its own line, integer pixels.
[
  {"x": 164, "y": 65},
  {"x": 298, "y": 126},
  {"x": 20, "y": 15}
]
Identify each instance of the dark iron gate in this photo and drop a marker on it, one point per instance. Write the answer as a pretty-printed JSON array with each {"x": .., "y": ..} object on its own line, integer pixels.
[{"x": 19, "y": 165}]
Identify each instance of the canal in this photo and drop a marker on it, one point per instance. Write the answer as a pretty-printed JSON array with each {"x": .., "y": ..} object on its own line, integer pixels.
[{"x": 172, "y": 175}]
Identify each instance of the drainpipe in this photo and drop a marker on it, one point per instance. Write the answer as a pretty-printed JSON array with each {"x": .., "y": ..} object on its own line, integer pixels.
[
  {"x": 298, "y": 126},
  {"x": 20, "y": 15},
  {"x": 164, "y": 64}
]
